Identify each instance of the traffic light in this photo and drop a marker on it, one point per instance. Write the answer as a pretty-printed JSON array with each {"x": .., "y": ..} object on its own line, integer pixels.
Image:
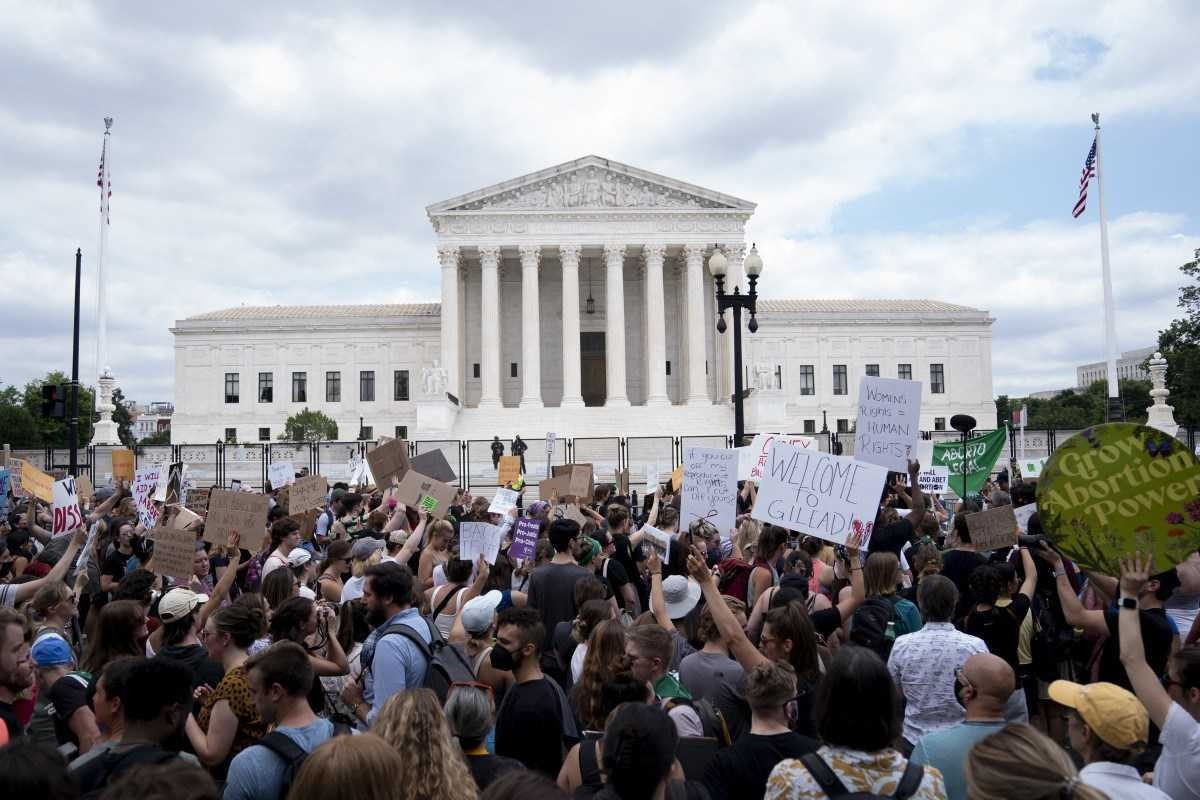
[{"x": 54, "y": 401}]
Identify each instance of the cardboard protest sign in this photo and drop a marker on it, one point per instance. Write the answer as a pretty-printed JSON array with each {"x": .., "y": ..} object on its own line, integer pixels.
[
  {"x": 281, "y": 474},
  {"x": 37, "y": 483},
  {"x": 992, "y": 529},
  {"x": 388, "y": 461},
  {"x": 307, "y": 520},
  {"x": 183, "y": 518},
  {"x": 14, "y": 477},
  {"x": 551, "y": 488},
  {"x": 1022, "y": 515},
  {"x": 889, "y": 421},
  {"x": 435, "y": 465},
  {"x": 67, "y": 516},
  {"x": 174, "y": 551},
  {"x": 504, "y": 501},
  {"x": 145, "y": 481},
  {"x": 567, "y": 511},
  {"x": 752, "y": 460},
  {"x": 509, "y": 470},
  {"x": 980, "y": 453},
  {"x": 677, "y": 478},
  {"x": 308, "y": 492},
  {"x": 1116, "y": 488},
  {"x": 709, "y": 488},
  {"x": 244, "y": 512},
  {"x": 660, "y": 541},
  {"x": 525, "y": 536},
  {"x": 477, "y": 539},
  {"x": 197, "y": 501},
  {"x": 122, "y": 465},
  {"x": 819, "y": 494},
  {"x": 622, "y": 481},
  {"x": 426, "y": 493},
  {"x": 83, "y": 487},
  {"x": 1032, "y": 467},
  {"x": 581, "y": 479}
]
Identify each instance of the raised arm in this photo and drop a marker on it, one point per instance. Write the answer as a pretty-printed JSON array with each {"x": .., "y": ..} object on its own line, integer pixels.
[
  {"x": 1135, "y": 571},
  {"x": 858, "y": 588},
  {"x": 1074, "y": 613},
  {"x": 57, "y": 573},
  {"x": 918, "y": 497},
  {"x": 413, "y": 543},
  {"x": 1030, "y": 583},
  {"x": 658, "y": 603},
  {"x": 221, "y": 589},
  {"x": 735, "y": 639}
]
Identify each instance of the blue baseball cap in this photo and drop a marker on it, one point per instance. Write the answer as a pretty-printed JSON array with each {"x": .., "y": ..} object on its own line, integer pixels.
[{"x": 52, "y": 651}]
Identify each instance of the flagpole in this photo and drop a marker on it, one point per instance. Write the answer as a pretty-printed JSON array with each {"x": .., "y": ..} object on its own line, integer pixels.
[
  {"x": 1115, "y": 411},
  {"x": 105, "y": 431}
]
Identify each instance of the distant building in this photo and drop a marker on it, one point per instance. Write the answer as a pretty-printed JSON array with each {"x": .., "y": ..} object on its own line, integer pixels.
[
  {"x": 151, "y": 419},
  {"x": 1049, "y": 394},
  {"x": 1129, "y": 366}
]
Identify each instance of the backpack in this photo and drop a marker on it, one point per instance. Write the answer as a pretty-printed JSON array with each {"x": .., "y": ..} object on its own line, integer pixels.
[
  {"x": 873, "y": 625},
  {"x": 735, "y": 578},
  {"x": 711, "y": 719},
  {"x": 254, "y": 571},
  {"x": 292, "y": 754},
  {"x": 111, "y": 765},
  {"x": 833, "y": 787},
  {"x": 444, "y": 664}
]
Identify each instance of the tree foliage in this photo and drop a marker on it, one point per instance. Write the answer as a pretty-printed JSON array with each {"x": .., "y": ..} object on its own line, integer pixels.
[
  {"x": 1180, "y": 345},
  {"x": 309, "y": 426},
  {"x": 1075, "y": 410},
  {"x": 22, "y": 425}
]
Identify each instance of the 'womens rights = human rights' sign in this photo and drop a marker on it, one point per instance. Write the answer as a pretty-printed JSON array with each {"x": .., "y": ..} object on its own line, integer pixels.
[{"x": 819, "y": 494}]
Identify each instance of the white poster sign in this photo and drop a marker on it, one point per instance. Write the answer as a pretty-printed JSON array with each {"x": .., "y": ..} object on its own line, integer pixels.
[
  {"x": 281, "y": 474},
  {"x": 819, "y": 494},
  {"x": 477, "y": 539},
  {"x": 504, "y": 501},
  {"x": 660, "y": 541},
  {"x": 709, "y": 488},
  {"x": 145, "y": 481},
  {"x": 1023, "y": 513},
  {"x": 67, "y": 516},
  {"x": 1032, "y": 467},
  {"x": 752, "y": 460},
  {"x": 889, "y": 417}
]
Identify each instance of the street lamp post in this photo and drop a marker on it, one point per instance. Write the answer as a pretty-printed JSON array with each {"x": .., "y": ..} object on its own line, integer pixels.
[{"x": 736, "y": 301}]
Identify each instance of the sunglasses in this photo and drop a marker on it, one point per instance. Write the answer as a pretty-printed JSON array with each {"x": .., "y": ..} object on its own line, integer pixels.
[{"x": 486, "y": 688}]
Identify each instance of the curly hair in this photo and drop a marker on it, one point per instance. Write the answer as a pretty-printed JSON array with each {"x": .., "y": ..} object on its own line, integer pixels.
[
  {"x": 605, "y": 658},
  {"x": 413, "y": 723},
  {"x": 985, "y": 584}
]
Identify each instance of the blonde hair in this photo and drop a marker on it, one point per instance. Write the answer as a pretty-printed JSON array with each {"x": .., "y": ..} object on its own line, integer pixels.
[
  {"x": 351, "y": 768},
  {"x": 881, "y": 573},
  {"x": 413, "y": 723},
  {"x": 358, "y": 566},
  {"x": 747, "y": 533},
  {"x": 1017, "y": 761}
]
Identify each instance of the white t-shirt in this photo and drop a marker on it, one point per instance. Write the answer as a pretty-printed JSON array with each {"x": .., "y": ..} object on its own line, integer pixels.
[
  {"x": 273, "y": 562},
  {"x": 1177, "y": 771},
  {"x": 307, "y": 593},
  {"x": 353, "y": 589}
]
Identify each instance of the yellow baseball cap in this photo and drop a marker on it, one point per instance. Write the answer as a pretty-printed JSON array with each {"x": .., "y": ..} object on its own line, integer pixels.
[{"x": 1113, "y": 713}]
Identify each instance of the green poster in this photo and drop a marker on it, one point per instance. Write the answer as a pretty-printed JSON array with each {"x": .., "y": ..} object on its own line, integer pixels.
[
  {"x": 981, "y": 453},
  {"x": 1116, "y": 488}
]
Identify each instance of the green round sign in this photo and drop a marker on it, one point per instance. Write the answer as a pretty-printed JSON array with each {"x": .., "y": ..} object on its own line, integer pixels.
[{"x": 1116, "y": 488}]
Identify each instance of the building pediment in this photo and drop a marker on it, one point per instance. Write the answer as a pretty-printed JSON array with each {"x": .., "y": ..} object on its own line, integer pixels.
[{"x": 591, "y": 183}]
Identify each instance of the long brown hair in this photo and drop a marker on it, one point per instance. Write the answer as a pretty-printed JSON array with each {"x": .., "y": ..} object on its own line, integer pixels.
[
  {"x": 114, "y": 634},
  {"x": 605, "y": 658}
]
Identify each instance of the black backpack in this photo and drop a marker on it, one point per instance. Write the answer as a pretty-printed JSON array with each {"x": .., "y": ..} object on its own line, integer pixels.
[
  {"x": 444, "y": 664},
  {"x": 833, "y": 787},
  {"x": 292, "y": 754},
  {"x": 113, "y": 765},
  {"x": 873, "y": 625},
  {"x": 711, "y": 719}
]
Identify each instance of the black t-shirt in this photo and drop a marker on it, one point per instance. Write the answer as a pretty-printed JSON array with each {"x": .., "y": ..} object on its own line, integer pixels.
[
  {"x": 892, "y": 538},
  {"x": 68, "y": 694},
  {"x": 1157, "y": 636},
  {"x": 114, "y": 565},
  {"x": 957, "y": 565},
  {"x": 532, "y": 726},
  {"x": 741, "y": 771},
  {"x": 1000, "y": 628},
  {"x": 826, "y": 621},
  {"x": 614, "y": 577},
  {"x": 10, "y": 720},
  {"x": 205, "y": 671},
  {"x": 486, "y": 768}
]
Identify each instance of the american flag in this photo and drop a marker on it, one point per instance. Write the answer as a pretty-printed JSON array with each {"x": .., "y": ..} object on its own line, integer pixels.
[
  {"x": 104, "y": 181},
  {"x": 1089, "y": 171}
]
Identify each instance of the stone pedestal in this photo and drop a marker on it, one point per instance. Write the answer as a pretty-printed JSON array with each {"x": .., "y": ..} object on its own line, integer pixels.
[
  {"x": 1160, "y": 415},
  {"x": 105, "y": 430},
  {"x": 766, "y": 411},
  {"x": 435, "y": 418}
]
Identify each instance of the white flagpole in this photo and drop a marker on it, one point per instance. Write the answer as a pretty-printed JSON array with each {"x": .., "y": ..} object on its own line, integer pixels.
[
  {"x": 1115, "y": 412},
  {"x": 105, "y": 431}
]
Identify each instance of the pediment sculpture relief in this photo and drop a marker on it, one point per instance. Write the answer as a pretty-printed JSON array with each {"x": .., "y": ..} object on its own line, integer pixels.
[{"x": 591, "y": 187}]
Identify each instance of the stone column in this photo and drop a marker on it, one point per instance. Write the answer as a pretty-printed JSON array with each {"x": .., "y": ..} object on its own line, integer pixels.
[
  {"x": 735, "y": 254},
  {"x": 697, "y": 384},
  {"x": 531, "y": 344},
  {"x": 656, "y": 328},
  {"x": 572, "y": 391},
  {"x": 451, "y": 358},
  {"x": 489, "y": 340},
  {"x": 614, "y": 317}
]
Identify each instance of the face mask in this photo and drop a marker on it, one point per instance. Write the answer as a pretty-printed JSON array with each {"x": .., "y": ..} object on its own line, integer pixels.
[
  {"x": 503, "y": 659},
  {"x": 959, "y": 688}
]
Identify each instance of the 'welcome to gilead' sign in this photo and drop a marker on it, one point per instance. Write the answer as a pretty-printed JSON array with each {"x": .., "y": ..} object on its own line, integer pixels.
[{"x": 1115, "y": 488}]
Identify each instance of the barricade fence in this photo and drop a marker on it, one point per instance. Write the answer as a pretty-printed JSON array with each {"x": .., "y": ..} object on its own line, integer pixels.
[{"x": 645, "y": 457}]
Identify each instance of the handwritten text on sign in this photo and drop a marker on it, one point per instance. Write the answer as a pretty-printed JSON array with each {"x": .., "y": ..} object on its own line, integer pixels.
[
  {"x": 477, "y": 539},
  {"x": 752, "y": 461},
  {"x": 145, "y": 481},
  {"x": 889, "y": 415},
  {"x": 67, "y": 516},
  {"x": 819, "y": 494},
  {"x": 525, "y": 536},
  {"x": 710, "y": 487}
]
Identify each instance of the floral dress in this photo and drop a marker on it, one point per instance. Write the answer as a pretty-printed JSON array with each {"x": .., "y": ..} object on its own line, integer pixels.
[{"x": 877, "y": 773}]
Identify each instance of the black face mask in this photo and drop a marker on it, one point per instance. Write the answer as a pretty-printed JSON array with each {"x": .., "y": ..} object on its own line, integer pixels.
[{"x": 503, "y": 659}]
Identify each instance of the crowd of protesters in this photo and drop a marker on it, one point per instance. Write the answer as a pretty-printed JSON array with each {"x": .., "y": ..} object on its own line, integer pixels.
[{"x": 367, "y": 660}]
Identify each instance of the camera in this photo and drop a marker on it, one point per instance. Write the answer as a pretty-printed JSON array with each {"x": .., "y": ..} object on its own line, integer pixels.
[{"x": 1031, "y": 541}]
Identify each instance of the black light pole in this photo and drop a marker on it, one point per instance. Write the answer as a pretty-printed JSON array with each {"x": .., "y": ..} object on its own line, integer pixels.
[
  {"x": 718, "y": 266},
  {"x": 73, "y": 396},
  {"x": 964, "y": 424}
]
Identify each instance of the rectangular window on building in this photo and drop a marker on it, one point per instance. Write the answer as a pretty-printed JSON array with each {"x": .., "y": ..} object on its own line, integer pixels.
[
  {"x": 333, "y": 387},
  {"x": 231, "y": 387},
  {"x": 264, "y": 434},
  {"x": 873, "y": 370},
  {"x": 810, "y": 426},
  {"x": 939, "y": 423},
  {"x": 366, "y": 386},
  {"x": 401, "y": 431},
  {"x": 808, "y": 379},
  {"x": 475, "y": 371},
  {"x": 512, "y": 370},
  {"x": 266, "y": 387},
  {"x": 843, "y": 426},
  {"x": 904, "y": 372},
  {"x": 937, "y": 379},
  {"x": 230, "y": 435},
  {"x": 299, "y": 387},
  {"x": 400, "y": 384},
  {"x": 841, "y": 384},
  {"x": 367, "y": 433},
  {"x": 668, "y": 367}
]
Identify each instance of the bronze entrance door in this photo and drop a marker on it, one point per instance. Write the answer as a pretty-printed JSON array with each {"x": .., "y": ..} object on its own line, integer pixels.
[{"x": 592, "y": 368}]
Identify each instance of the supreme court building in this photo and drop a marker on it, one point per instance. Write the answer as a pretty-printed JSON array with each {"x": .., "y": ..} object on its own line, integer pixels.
[{"x": 576, "y": 300}]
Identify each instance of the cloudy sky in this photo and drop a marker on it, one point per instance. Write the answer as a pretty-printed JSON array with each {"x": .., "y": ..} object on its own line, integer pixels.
[{"x": 271, "y": 153}]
